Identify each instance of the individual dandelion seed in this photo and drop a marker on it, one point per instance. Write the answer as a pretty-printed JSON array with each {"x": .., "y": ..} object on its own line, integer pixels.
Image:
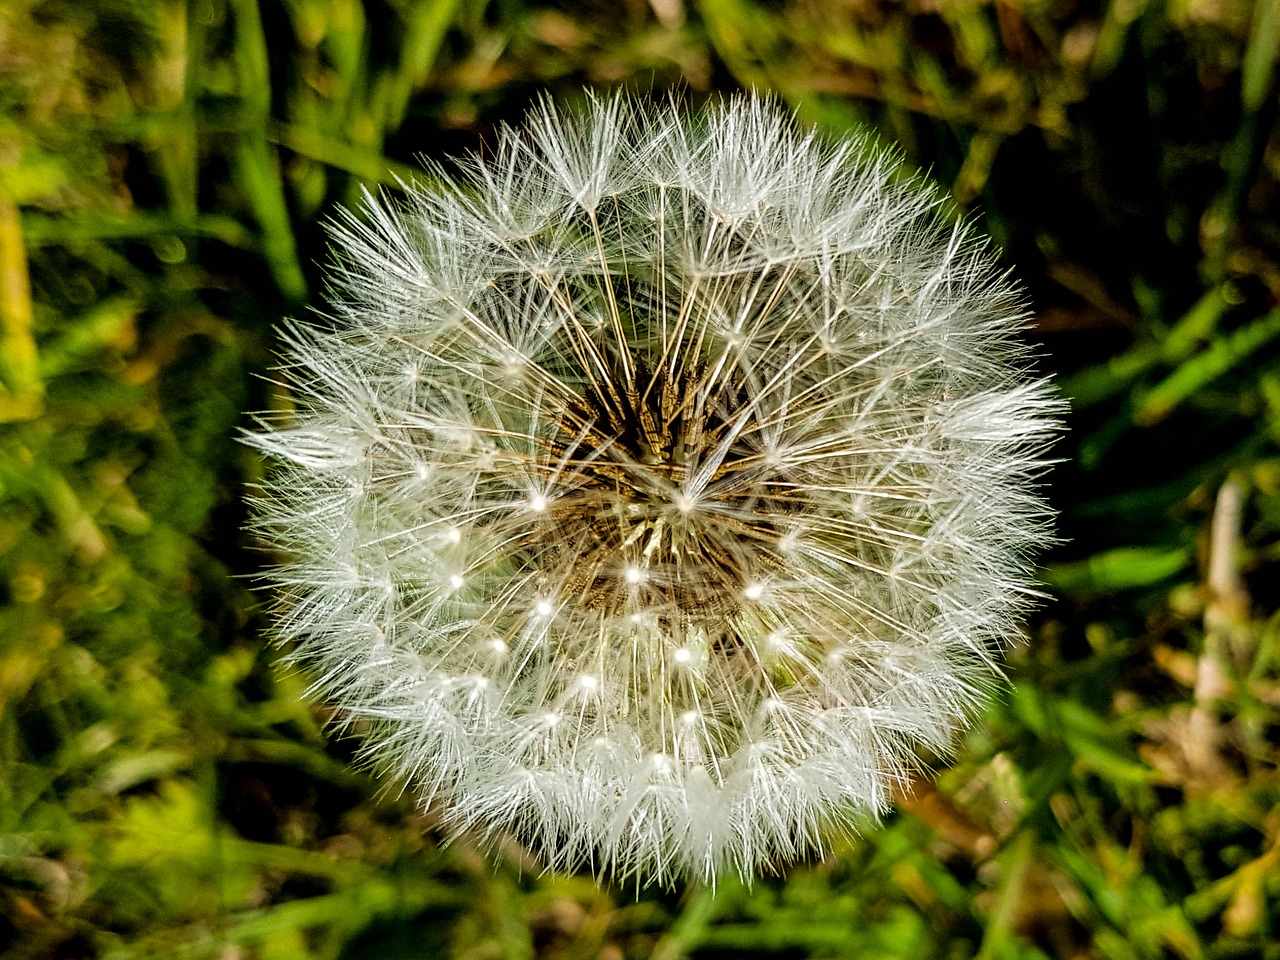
[{"x": 659, "y": 486}]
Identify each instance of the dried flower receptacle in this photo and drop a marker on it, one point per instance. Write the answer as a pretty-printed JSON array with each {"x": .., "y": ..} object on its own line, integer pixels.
[{"x": 659, "y": 486}]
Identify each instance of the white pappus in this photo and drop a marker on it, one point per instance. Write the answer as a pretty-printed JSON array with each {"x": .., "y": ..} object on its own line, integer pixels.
[{"x": 658, "y": 486}]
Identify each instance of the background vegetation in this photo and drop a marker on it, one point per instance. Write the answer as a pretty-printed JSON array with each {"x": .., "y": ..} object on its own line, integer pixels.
[{"x": 165, "y": 169}]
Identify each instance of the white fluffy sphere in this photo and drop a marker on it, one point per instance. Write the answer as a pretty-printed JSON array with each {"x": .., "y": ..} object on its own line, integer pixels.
[{"x": 658, "y": 486}]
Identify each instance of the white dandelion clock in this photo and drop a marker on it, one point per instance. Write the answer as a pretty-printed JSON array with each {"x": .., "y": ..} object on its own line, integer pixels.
[{"x": 658, "y": 487}]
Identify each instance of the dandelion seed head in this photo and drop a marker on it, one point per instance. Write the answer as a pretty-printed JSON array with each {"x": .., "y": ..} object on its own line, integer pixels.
[{"x": 663, "y": 483}]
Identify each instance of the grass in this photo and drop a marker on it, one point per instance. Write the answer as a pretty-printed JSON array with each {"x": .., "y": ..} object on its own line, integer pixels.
[{"x": 165, "y": 170}]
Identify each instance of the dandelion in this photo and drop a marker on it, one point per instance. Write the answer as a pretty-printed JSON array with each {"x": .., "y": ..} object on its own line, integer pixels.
[{"x": 659, "y": 486}]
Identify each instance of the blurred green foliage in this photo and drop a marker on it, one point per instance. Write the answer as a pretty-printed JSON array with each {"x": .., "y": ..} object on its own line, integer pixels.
[{"x": 165, "y": 168}]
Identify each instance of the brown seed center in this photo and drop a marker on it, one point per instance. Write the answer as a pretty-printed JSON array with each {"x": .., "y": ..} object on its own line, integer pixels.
[{"x": 669, "y": 508}]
